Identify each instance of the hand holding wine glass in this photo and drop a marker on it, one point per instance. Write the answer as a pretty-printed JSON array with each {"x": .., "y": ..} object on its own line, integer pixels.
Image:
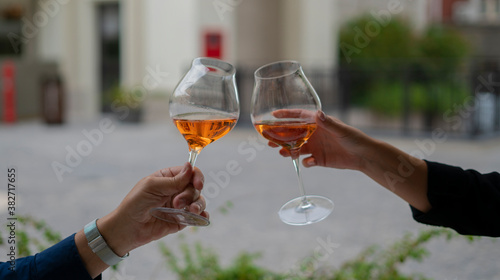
[
  {"x": 204, "y": 107},
  {"x": 284, "y": 105},
  {"x": 334, "y": 144}
]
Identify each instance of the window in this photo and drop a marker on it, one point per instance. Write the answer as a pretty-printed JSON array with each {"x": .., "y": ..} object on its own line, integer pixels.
[
  {"x": 484, "y": 4},
  {"x": 11, "y": 38}
]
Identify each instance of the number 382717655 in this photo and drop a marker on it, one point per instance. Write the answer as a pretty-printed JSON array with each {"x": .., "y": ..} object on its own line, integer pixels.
[{"x": 11, "y": 187}]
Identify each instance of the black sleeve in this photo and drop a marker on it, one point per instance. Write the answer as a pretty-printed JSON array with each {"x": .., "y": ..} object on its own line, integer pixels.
[{"x": 464, "y": 200}]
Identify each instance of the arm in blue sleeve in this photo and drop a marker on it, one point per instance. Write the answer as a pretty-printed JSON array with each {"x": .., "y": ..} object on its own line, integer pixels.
[
  {"x": 59, "y": 262},
  {"x": 464, "y": 200}
]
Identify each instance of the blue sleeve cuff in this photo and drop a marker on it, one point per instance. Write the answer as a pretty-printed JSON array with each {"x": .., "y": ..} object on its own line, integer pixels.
[{"x": 61, "y": 261}]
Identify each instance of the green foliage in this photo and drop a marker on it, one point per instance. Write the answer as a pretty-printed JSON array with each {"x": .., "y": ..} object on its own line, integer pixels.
[
  {"x": 200, "y": 263},
  {"x": 439, "y": 96},
  {"x": 386, "y": 98},
  {"x": 371, "y": 59},
  {"x": 441, "y": 50},
  {"x": 381, "y": 61},
  {"x": 224, "y": 209},
  {"x": 34, "y": 235},
  {"x": 374, "y": 263},
  {"x": 371, "y": 51},
  {"x": 434, "y": 97},
  {"x": 120, "y": 96}
]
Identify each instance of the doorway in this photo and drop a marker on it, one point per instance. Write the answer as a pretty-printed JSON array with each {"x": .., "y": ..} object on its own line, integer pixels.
[{"x": 108, "y": 16}]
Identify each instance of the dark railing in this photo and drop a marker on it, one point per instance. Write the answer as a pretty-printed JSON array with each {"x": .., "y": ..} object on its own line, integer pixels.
[
  {"x": 485, "y": 88},
  {"x": 469, "y": 110},
  {"x": 324, "y": 82}
]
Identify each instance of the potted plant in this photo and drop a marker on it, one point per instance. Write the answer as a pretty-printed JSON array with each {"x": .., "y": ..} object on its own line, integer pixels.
[{"x": 126, "y": 104}]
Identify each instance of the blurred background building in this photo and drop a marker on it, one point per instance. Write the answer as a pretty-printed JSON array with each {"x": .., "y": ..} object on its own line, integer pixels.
[{"x": 84, "y": 49}]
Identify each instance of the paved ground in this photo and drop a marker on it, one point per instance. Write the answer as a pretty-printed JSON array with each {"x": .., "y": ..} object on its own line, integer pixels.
[{"x": 364, "y": 214}]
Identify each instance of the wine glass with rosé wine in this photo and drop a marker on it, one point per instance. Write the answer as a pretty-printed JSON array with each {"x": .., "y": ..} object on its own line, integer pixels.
[
  {"x": 204, "y": 107},
  {"x": 283, "y": 109}
]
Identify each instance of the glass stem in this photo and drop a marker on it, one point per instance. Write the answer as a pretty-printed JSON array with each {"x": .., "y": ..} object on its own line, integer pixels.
[
  {"x": 193, "y": 154},
  {"x": 305, "y": 203}
]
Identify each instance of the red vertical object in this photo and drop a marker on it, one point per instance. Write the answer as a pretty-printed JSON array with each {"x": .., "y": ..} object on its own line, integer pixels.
[
  {"x": 9, "y": 92},
  {"x": 447, "y": 15},
  {"x": 213, "y": 44}
]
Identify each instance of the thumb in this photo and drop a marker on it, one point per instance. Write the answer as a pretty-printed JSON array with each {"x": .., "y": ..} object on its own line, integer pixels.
[{"x": 169, "y": 185}]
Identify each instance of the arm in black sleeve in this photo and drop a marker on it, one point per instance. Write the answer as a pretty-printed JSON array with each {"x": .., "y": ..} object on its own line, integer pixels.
[
  {"x": 60, "y": 261},
  {"x": 464, "y": 200}
]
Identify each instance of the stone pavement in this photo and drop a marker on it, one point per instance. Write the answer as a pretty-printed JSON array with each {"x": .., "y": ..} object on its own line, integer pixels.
[{"x": 96, "y": 170}]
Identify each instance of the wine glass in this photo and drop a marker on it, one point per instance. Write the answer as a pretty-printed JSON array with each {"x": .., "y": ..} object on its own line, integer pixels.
[
  {"x": 204, "y": 107},
  {"x": 283, "y": 109}
]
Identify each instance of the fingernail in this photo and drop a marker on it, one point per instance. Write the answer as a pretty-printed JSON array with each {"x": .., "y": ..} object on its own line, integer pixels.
[
  {"x": 321, "y": 116},
  {"x": 197, "y": 208},
  {"x": 182, "y": 204},
  {"x": 310, "y": 162}
]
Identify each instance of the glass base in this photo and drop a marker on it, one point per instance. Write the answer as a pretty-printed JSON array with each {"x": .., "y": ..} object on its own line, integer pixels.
[
  {"x": 298, "y": 212},
  {"x": 179, "y": 216}
]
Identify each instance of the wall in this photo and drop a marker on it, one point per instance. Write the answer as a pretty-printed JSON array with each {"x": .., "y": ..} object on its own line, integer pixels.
[
  {"x": 79, "y": 60},
  {"x": 170, "y": 39},
  {"x": 164, "y": 36},
  {"x": 417, "y": 11},
  {"x": 258, "y": 32}
]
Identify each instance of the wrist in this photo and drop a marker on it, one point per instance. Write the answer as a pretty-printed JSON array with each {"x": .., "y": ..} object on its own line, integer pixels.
[
  {"x": 93, "y": 264},
  {"x": 118, "y": 238},
  {"x": 371, "y": 154},
  {"x": 98, "y": 245}
]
